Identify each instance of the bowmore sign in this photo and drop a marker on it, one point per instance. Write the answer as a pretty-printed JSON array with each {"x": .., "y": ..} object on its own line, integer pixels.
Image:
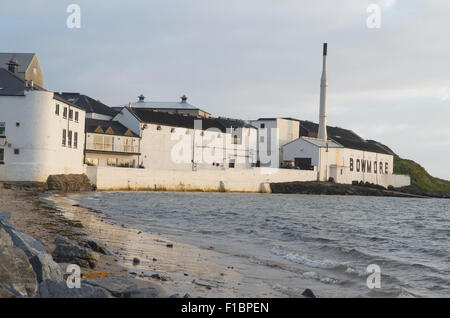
[{"x": 368, "y": 166}]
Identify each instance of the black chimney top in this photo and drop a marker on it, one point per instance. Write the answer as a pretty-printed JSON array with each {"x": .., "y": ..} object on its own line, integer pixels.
[
  {"x": 183, "y": 99},
  {"x": 325, "y": 49},
  {"x": 13, "y": 65},
  {"x": 141, "y": 98}
]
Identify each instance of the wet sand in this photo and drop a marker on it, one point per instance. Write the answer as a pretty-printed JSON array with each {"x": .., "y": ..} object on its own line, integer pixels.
[{"x": 179, "y": 268}]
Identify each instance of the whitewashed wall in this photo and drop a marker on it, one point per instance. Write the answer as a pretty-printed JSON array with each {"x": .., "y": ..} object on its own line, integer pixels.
[
  {"x": 38, "y": 138},
  {"x": 249, "y": 180}
]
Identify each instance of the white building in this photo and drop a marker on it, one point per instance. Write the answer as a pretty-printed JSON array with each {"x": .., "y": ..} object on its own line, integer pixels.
[
  {"x": 173, "y": 141},
  {"x": 40, "y": 133},
  {"x": 273, "y": 133}
]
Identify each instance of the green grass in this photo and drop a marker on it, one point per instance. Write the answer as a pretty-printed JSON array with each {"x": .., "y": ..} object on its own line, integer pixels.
[{"x": 420, "y": 178}]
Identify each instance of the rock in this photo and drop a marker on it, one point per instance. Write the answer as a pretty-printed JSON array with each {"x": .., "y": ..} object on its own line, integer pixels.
[
  {"x": 148, "y": 292},
  {"x": 45, "y": 267},
  {"x": 16, "y": 271},
  {"x": 175, "y": 296},
  {"x": 117, "y": 286},
  {"x": 69, "y": 183},
  {"x": 67, "y": 252},
  {"x": 308, "y": 293},
  {"x": 6, "y": 292},
  {"x": 58, "y": 289},
  {"x": 187, "y": 295},
  {"x": 25, "y": 242},
  {"x": 136, "y": 261},
  {"x": 97, "y": 247},
  {"x": 5, "y": 238},
  {"x": 5, "y": 217},
  {"x": 169, "y": 245}
]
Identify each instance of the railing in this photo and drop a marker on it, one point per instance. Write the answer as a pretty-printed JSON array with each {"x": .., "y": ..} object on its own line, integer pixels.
[{"x": 112, "y": 147}]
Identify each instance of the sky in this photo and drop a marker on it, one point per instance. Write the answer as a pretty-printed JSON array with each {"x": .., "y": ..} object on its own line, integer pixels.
[{"x": 256, "y": 58}]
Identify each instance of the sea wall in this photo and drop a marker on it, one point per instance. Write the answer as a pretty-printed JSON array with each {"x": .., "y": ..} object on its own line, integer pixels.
[{"x": 229, "y": 180}]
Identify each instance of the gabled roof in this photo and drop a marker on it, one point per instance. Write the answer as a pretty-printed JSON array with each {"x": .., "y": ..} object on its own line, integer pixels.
[
  {"x": 24, "y": 60},
  {"x": 319, "y": 143},
  {"x": 186, "y": 121},
  {"x": 89, "y": 104},
  {"x": 108, "y": 127},
  {"x": 11, "y": 84},
  {"x": 345, "y": 137}
]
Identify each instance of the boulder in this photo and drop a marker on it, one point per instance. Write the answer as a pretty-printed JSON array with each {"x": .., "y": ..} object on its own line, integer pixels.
[
  {"x": 117, "y": 286},
  {"x": 6, "y": 292},
  {"x": 68, "y": 252},
  {"x": 16, "y": 271},
  {"x": 69, "y": 183},
  {"x": 308, "y": 293},
  {"x": 5, "y": 238},
  {"x": 148, "y": 292},
  {"x": 58, "y": 289},
  {"x": 45, "y": 267},
  {"x": 25, "y": 242},
  {"x": 5, "y": 217}
]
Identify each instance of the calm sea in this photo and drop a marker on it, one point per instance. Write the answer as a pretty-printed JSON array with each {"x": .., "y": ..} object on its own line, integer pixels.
[{"x": 327, "y": 240}]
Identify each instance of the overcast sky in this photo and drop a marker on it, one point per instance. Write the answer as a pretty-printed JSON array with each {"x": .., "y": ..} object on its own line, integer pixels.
[{"x": 256, "y": 58}]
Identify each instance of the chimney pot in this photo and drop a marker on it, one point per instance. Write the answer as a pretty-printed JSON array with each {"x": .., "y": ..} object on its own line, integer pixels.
[
  {"x": 141, "y": 98},
  {"x": 184, "y": 99}
]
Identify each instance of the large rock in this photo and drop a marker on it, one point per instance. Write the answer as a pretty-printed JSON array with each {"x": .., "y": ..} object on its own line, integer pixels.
[
  {"x": 25, "y": 242},
  {"x": 117, "y": 286},
  {"x": 97, "y": 247},
  {"x": 6, "y": 292},
  {"x": 5, "y": 238},
  {"x": 5, "y": 217},
  {"x": 69, "y": 183},
  {"x": 67, "y": 252},
  {"x": 16, "y": 271},
  {"x": 45, "y": 267},
  {"x": 57, "y": 289}
]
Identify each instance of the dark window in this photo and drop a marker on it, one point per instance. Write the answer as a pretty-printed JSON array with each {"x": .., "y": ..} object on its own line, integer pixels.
[
  {"x": 231, "y": 164},
  {"x": 172, "y": 130},
  {"x": 71, "y": 114},
  {"x": 69, "y": 139},
  {"x": 17, "y": 124},
  {"x": 57, "y": 109},
  {"x": 263, "y": 126},
  {"x": 75, "y": 140},
  {"x": 386, "y": 168},
  {"x": 76, "y": 116},
  {"x": 2, "y": 129},
  {"x": 2, "y": 155},
  {"x": 64, "y": 137},
  {"x": 158, "y": 128},
  {"x": 16, "y": 151},
  {"x": 65, "y": 112}
]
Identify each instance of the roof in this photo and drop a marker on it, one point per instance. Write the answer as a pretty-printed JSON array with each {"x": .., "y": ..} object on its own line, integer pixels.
[
  {"x": 322, "y": 143},
  {"x": 185, "y": 120},
  {"x": 108, "y": 127},
  {"x": 24, "y": 60},
  {"x": 163, "y": 105},
  {"x": 345, "y": 137},
  {"x": 89, "y": 104},
  {"x": 11, "y": 84}
]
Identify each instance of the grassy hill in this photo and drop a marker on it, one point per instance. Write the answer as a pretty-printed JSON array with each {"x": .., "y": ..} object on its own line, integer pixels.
[{"x": 420, "y": 178}]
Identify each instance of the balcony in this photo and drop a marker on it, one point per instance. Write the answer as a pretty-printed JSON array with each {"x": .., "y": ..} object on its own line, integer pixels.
[{"x": 112, "y": 147}]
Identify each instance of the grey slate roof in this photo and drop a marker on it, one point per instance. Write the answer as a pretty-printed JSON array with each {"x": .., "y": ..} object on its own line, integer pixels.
[
  {"x": 24, "y": 60},
  {"x": 186, "y": 121},
  {"x": 119, "y": 129},
  {"x": 89, "y": 104},
  {"x": 11, "y": 84}
]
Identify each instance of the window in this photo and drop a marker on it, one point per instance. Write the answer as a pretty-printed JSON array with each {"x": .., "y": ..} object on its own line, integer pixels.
[
  {"x": 16, "y": 151},
  {"x": 2, "y": 129},
  {"x": 2, "y": 156},
  {"x": 65, "y": 112},
  {"x": 261, "y": 139},
  {"x": 92, "y": 161},
  {"x": 57, "y": 109},
  {"x": 64, "y": 137},
  {"x": 231, "y": 163},
  {"x": 108, "y": 142},
  {"x": 76, "y": 117},
  {"x": 17, "y": 124},
  {"x": 172, "y": 130},
  {"x": 69, "y": 139},
  {"x": 75, "y": 140},
  {"x": 263, "y": 126},
  {"x": 112, "y": 162},
  {"x": 158, "y": 128},
  {"x": 70, "y": 114}
]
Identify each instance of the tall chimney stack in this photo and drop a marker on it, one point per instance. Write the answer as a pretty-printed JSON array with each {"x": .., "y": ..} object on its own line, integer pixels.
[{"x": 322, "y": 133}]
